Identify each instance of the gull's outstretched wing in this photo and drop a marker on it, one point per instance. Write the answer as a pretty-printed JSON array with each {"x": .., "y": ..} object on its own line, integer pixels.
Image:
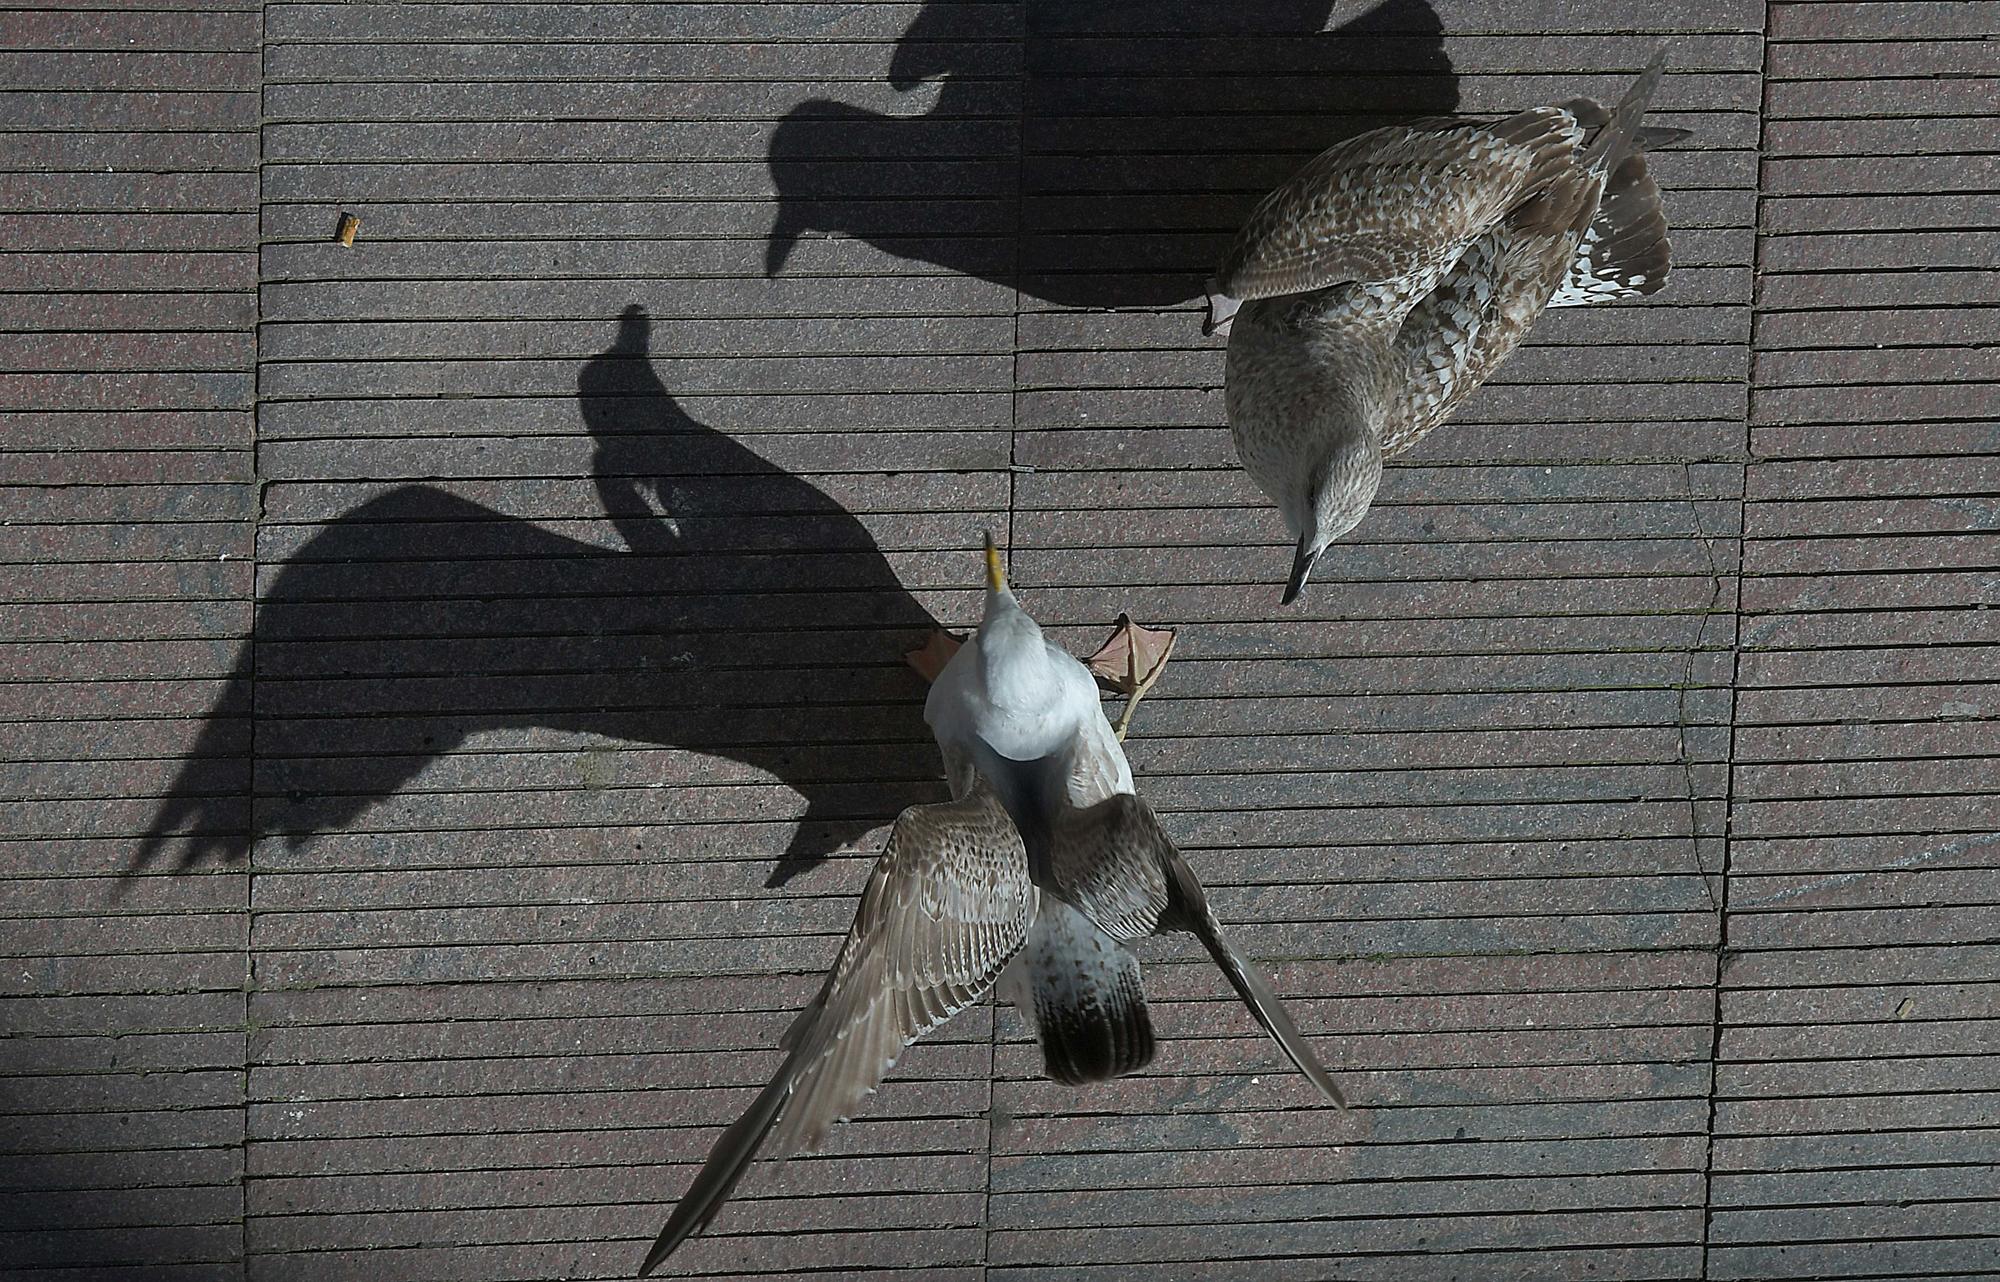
[
  {"x": 1120, "y": 868},
  {"x": 1394, "y": 207},
  {"x": 1247, "y": 979},
  {"x": 947, "y": 907}
]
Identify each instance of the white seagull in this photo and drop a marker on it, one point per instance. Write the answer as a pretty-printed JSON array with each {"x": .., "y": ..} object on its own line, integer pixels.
[
  {"x": 1030, "y": 881},
  {"x": 1015, "y": 707}
]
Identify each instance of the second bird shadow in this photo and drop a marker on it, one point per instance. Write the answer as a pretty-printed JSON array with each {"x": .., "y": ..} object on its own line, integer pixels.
[
  {"x": 1097, "y": 153},
  {"x": 752, "y": 619}
]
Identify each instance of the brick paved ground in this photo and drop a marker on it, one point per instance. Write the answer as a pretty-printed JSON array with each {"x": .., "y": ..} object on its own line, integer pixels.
[{"x": 437, "y": 671}]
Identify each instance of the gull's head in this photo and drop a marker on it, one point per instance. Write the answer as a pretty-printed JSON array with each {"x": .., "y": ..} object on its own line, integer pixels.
[
  {"x": 1330, "y": 500},
  {"x": 1006, "y": 633},
  {"x": 1308, "y": 406}
]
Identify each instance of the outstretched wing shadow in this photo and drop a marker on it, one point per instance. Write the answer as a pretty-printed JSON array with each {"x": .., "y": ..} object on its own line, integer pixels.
[
  {"x": 1137, "y": 135},
  {"x": 753, "y": 619}
]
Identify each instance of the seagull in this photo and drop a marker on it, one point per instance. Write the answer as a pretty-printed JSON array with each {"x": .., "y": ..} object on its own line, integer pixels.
[
  {"x": 1015, "y": 707},
  {"x": 969, "y": 898},
  {"x": 1369, "y": 295}
]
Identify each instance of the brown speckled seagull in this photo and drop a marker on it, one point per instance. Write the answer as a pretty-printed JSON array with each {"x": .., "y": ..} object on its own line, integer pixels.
[
  {"x": 1366, "y": 297},
  {"x": 1014, "y": 887}
]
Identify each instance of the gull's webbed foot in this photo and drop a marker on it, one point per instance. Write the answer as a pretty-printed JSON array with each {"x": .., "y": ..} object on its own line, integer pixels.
[
  {"x": 936, "y": 652},
  {"x": 1129, "y": 662}
]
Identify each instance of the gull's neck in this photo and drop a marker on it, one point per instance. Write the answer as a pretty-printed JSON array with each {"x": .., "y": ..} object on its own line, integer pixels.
[{"x": 1026, "y": 740}]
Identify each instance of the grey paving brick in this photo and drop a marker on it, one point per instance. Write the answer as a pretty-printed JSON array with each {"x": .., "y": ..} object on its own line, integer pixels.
[{"x": 1476, "y": 799}]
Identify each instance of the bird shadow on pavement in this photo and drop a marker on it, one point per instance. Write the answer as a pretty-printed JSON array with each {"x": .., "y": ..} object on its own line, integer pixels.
[
  {"x": 1103, "y": 154},
  {"x": 753, "y": 619}
]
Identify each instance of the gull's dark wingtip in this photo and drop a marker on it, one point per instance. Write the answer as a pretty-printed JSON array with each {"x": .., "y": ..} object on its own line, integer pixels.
[
  {"x": 726, "y": 1163},
  {"x": 1265, "y": 1006}
]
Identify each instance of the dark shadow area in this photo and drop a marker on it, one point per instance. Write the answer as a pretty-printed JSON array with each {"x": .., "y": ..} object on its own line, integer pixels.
[
  {"x": 753, "y": 619},
  {"x": 138, "y": 1180},
  {"x": 1106, "y": 159}
]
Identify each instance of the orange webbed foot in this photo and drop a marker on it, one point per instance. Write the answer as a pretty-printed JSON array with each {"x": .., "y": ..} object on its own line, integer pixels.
[
  {"x": 936, "y": 652},
  {"x": 1129, "y": 662}
]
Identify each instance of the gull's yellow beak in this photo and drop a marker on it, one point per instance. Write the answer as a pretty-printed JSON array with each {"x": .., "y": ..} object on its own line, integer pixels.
[{"x": 996, "y": 574}]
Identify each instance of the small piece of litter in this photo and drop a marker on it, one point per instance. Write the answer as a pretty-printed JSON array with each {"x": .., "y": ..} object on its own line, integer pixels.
[{"x": 349, "y": 224}]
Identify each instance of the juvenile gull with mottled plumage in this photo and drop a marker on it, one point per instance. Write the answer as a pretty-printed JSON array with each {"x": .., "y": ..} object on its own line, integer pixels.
[{"x": 1366, "y": 297}]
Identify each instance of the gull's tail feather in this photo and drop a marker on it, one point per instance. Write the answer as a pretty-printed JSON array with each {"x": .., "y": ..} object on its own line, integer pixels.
[
  {"x": 1086, "y": 998},
  {"x": 1624, "y": 253},
  {"x": 1249, "y": 982}
]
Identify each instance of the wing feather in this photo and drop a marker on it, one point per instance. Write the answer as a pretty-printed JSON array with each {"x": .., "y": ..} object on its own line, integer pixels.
[
  {"x": 1191, "y": 903},
  {"x": 960, "y": 771},
  {"x": 1097, "y": 764},
  {"x": 1106, "y": 860},
  {"x": 1117, "y": 865},
  {"x": 1453, "y": 339},
  {"x": 1394, "y": 206},
  {"x": 947, "y": 906}
]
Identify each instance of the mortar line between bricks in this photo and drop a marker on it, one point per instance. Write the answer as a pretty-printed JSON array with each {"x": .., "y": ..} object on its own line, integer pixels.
[
  {"x": 1013, "y": 498},
  {"x": 258, "y": 483},
  {"x": 1735, "y": 655}
]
